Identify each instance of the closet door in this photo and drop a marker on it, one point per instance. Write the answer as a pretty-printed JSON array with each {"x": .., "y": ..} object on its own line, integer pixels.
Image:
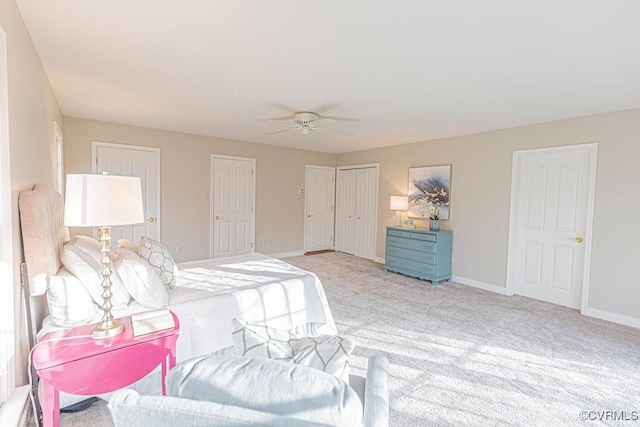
[
  {"x": 365, "y": 207},
  {"x": 345, "y": 211}
]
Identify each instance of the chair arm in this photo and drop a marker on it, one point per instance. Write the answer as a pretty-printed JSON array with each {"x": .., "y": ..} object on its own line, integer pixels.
[{"x": 376, "y": 393}]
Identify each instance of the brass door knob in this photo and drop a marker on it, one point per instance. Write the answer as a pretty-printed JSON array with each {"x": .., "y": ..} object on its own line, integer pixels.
[
  {"x": 578, "y": 239},
  {"x": 152, "y": 219},
  {"x": 308, "y": 215}
]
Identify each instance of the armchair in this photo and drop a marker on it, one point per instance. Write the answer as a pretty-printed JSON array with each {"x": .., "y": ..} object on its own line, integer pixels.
[{"x": 247, "y": 391}]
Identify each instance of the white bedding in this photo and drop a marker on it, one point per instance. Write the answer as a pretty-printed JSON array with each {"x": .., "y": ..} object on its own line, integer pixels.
[{"x": 257, "y": 288}]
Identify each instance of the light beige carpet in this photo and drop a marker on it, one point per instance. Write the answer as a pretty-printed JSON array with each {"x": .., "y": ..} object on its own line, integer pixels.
[{"x": 463, "y": 356}]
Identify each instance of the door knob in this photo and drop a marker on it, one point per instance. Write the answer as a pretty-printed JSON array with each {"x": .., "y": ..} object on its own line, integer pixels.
[
  {"x": 217, "y": 217},
  {"x": 578, "y": 239},
  {"x": 308, "y": 215},
  {"x": 152, "y": 219}
]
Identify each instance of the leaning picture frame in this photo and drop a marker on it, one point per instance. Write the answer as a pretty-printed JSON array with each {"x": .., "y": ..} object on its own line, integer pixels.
[{"x": 429, "y": 184}]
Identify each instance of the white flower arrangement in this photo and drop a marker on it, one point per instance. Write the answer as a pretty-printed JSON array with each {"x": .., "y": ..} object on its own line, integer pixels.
[{"x": 426, "y": 206}]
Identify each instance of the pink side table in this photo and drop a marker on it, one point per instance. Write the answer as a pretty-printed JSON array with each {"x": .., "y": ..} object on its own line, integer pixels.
[{"x": 87, "y": 366}]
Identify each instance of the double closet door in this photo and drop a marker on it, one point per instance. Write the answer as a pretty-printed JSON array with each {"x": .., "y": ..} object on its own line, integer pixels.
[{"x": 356, "y": 202}]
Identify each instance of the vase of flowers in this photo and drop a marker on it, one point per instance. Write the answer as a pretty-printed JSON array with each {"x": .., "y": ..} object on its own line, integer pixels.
[{"x": 428, "y": 208}]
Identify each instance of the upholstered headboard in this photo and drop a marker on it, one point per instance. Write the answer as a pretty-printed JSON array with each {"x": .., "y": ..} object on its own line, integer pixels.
[{"x": 43, "y": 234}]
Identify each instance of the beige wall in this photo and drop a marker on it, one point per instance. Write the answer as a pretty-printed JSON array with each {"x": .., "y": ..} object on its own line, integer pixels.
[
  {"x": 185, "y": 178},
  {"x": 32, "y": 110},
  {"x": 480, "y": 196}
]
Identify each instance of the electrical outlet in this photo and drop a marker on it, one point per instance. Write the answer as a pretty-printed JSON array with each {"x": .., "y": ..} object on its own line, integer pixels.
[{"x": 179, "y": 249}]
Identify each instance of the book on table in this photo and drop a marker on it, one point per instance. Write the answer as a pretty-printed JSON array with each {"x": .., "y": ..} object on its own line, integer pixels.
[{"x": 147, "y": 322}]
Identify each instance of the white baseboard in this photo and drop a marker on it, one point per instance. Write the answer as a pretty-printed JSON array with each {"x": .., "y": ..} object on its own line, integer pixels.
[
  {"x": 612, "y": 317},
  {"x": 15, "y": 411},
  {"x": 480, "y": 285},
  {"x": 286, "y": 254},
  {"x": 378, "y": 260}
]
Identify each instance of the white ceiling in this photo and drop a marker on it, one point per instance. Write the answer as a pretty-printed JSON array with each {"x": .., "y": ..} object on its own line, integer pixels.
[{"x": 402, "y": 71}]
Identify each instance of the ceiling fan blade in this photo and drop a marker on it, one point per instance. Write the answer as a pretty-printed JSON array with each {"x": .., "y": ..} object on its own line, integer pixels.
[
  {"x": 325, "y": 120},
  {"x": 284, "y": 107},
  {"x": 340, "y": 119},
  {"x": 279, "y": 131}
]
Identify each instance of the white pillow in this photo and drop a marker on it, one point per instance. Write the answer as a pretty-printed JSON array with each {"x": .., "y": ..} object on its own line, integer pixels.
[
  {"x": 160, "y": 259},
  {"x": 329, "y": 353},
  {"x": 141, "y": 280},
  {"x": 82, "y": 257},
  {"x": 70, "y": 304}
]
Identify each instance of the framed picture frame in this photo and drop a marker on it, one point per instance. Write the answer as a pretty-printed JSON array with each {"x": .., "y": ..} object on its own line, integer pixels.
[{"x": 429, "y": 184}]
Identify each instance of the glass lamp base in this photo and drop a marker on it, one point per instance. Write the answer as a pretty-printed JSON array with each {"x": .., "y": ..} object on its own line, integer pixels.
[{"x": 101, "y": 332}]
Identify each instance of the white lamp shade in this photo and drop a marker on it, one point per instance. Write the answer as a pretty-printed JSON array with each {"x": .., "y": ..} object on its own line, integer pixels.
[
  {"x": 399, "y": 203},
  {"x": 103, "y": 200}
]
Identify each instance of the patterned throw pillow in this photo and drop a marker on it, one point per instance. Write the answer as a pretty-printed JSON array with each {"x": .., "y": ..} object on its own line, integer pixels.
[
  {"x": 159, "y": 257},
  {"x": 329, "y": 353}
]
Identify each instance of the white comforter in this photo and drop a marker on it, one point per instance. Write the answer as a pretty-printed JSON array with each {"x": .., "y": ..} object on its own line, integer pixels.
[{"x": 253, "y": 287}]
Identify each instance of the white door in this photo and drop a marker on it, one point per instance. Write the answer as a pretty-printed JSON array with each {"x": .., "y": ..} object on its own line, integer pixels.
[
  {"x": 143, "y": 162},
  {"x": 346, "y": 211},
  {"x": 319, "y": 219},
  {"x": 233, "y": 190},
  {"x": 366, "y": 204},
  {"x": 553, "y": 202}
]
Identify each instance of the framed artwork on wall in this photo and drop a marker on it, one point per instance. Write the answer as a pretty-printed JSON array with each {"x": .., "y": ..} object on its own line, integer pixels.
[{"x": 429, "y": 185}]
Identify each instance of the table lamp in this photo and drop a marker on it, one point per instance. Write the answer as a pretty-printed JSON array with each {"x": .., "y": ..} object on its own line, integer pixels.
[
  {"x": 103, "y": 201},
  {"x": 399, "y": 204}
]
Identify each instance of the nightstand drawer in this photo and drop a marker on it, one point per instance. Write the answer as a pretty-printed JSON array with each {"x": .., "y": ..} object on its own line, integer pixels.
[
  {"x": 416, "y": 245},
  {"x": 418, "y": 267},
  {"x": 427, "y": 258}
]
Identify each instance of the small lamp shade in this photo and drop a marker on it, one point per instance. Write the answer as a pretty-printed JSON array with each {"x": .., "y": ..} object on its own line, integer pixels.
[
  {"x": 399, "y": 203},
  {"x": 103, "y": 200}
]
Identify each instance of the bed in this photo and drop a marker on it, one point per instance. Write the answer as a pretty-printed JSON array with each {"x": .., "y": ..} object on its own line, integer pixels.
[{"x": 207, "y": 296}]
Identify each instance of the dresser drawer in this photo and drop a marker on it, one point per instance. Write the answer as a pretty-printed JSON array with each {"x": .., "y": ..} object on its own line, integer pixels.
[
  {"x": 392, "y": 262},
  {"x": 428, "y": 258},
  {"x": 416, "y": 245},
  {"x": 422, "y": 236},
  {"x": 399, "y": 233}
]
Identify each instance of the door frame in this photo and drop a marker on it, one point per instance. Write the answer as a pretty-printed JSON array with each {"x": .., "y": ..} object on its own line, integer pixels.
[
  {"x": 375, "y": 214},
  {"x": 306, "y": 207},
  {"x": 212, "y": 198},
  {"x": 94, "y": 169},
  {"x": 518, "y": 155}
]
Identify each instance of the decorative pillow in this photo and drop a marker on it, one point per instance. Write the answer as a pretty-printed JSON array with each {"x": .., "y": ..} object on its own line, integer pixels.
[
  {"x": 128, "y": 244},
  {"x": 329, "y": 353},
  {"x": 141, "y": 280},
  {"x": 307, "y": 395},
  {"x": 82, "y": 257},
  {"x": 70, "y": 304},
  {"x": 160, "y": 259}
]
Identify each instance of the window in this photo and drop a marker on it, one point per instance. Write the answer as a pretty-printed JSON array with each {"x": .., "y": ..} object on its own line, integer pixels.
[{"x": 7, "y": 336}]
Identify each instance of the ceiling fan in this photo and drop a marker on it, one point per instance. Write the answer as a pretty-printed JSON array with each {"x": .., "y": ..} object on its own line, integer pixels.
[{"x": 308, "y": 123}]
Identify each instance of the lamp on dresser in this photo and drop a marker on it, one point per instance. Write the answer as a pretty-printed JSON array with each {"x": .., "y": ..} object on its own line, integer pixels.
[
  {"x": 103, "y": 201},
  {"x": 399, "y": 204}
]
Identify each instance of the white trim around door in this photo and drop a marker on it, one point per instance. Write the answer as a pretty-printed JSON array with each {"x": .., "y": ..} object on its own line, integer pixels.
[
  {"x": 216, "y": 216},
  {"x": 518, "y": 158},
  {"x": 367, "y": 204}
]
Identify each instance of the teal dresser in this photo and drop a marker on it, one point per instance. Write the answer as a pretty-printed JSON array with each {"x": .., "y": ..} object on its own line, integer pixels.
[{"x": 419, "y": 253}]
